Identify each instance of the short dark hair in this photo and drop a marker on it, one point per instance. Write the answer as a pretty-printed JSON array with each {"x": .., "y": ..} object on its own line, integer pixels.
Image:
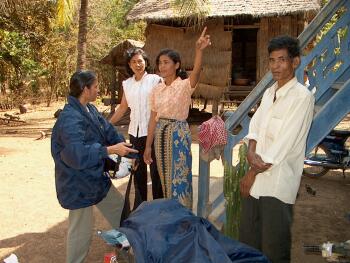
[
  {"x": 285, "y": 42},
  {"x": 129, "y": 55},
  {"x": 80, "y": 80},
  {"x": 175, "y": 57}
]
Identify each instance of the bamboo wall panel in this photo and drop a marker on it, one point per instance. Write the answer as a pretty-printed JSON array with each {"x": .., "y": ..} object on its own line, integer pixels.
[{"x": 217, "y": 58}]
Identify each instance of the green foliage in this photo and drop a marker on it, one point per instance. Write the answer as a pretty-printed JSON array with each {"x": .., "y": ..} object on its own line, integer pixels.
[
  {"x": 108, "y": 25},
  {"x": 38, "y": 41},
  {"x": 58, "y": 59},
  {"x": 122, "y": 29},
  {"x": 16, "y": 59},
  {"x": 26, "y": 34},
  {"x": 31, "y": 19},
  {"x": 13, "y": 47},
  {"x": 64, "y": 13},
  {"x": 107, "y": 28},
  {"x": 232, "y": 177}
]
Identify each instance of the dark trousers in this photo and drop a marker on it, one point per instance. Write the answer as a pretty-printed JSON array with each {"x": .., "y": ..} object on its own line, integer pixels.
[
  {"x": 266, "y": 225},
  {"x": 140, "y": 180}
]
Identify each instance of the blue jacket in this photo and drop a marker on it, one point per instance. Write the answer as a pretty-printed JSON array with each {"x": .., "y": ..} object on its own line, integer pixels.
[
  {"x": 163, "y": 231},
  {"x": 78, "y": 147}
]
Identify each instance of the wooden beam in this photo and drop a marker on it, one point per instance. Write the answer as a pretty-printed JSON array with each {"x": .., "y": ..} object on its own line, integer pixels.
[
  {"x": 8, "y": 120},
  {"x": 243, "y": 26}
]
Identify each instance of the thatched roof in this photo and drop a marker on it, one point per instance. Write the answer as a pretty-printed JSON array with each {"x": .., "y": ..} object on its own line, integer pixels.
[
  {"x": 115, "y": 56},
  {"x": 156, "y": 10}
]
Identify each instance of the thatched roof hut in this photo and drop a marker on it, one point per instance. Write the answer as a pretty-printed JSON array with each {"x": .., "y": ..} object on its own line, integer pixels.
[
  {"x": 240, "y": 31},
  {"x": 155, "y": 10},
  {"x": 116, "y": 59}
]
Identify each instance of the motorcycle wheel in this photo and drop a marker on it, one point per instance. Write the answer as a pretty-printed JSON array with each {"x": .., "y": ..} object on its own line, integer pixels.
[{"x": 320, "y": 152}]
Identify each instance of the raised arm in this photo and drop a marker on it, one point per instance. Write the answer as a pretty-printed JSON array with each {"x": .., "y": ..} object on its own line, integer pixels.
[{"x": 202, "y": 42}]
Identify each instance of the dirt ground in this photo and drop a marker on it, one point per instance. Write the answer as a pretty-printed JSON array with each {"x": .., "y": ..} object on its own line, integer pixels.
[{"x": 33, "y": 225}]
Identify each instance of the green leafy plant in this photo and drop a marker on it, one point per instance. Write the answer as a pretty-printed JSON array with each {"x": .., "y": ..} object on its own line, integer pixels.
[{"x": 232, "y": 177}]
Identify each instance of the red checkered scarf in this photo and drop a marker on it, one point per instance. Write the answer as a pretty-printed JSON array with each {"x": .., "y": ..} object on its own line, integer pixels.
[{"x": 212, "y": 133}]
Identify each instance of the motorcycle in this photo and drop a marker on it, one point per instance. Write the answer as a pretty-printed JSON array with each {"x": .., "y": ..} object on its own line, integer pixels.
[
  {"x": 330, "y": 154},
  {"x": 332, "y": 252}
]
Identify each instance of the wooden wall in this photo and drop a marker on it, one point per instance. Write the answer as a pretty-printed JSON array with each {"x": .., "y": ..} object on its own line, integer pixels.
[
  {"x": 216, "y": 60},
  {"x": 271, "y": 27}
]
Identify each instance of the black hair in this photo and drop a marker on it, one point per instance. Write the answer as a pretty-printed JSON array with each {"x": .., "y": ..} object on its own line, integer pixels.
[
  {"x": 129, "y": 55},
  {"x": 80, "y": 80},
  {"x": 175, "y": 57},
  {"x": 285, "y": 42}
]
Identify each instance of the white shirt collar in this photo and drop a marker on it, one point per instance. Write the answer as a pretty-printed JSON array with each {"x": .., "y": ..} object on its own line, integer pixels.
[
  {"x": 282, "y": 91},
  {"x": 133, "y": 77}
]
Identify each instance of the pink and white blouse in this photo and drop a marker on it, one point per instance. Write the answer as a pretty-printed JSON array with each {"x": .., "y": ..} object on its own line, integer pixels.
[{"x": 173, "y": 101}]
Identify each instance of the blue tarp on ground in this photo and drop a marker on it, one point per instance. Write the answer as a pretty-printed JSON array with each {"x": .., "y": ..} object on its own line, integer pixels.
[{"x": 164, "y": 231}]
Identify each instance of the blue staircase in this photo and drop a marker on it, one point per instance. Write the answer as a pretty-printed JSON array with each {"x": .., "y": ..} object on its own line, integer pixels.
[{"x": 328, "y": 70}]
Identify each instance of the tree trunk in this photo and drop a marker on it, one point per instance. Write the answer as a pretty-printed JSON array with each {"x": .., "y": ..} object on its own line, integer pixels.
[
  {"x": 113, "y": 89},
  {"x": 3, "y": 89},
  {"x": 83, "y": 16}
]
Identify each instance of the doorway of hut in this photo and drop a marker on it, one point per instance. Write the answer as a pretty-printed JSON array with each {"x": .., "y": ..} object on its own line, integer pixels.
[{"x": 244, "y": 62}]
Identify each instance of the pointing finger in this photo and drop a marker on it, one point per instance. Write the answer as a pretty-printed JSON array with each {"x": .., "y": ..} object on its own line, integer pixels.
[{"x": 203, "y": 32}]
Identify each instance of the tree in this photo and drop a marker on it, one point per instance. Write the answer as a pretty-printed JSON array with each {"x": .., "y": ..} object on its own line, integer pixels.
[
  {"x": 43, "y": 41},
  {"x": 24, "y": 28},
  {"x": 65, "y": 11},
  {"x": 36, "y": 55},
  {"x": 82, "y": 35}
]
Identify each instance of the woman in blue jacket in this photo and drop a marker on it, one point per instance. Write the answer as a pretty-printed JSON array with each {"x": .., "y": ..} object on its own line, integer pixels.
[{"x": 81, "y": 141}]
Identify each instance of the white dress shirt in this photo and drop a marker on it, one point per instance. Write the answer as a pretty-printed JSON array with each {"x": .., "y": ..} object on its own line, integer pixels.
[
  {"x": 280, "y": 129},
  {"x": 137, "y": 96}
]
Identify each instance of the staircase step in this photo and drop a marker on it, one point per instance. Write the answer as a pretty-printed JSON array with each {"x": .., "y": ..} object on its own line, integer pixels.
[
  {"x": 337, "y": 85},
  {"x": 332, "y": 98}
]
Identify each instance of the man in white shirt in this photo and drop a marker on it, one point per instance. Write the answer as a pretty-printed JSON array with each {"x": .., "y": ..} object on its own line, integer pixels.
[{"x": 277, "y": 141}]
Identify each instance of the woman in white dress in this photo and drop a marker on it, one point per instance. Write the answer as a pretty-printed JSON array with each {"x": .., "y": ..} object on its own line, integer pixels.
[{"x": 137, "y": 89}]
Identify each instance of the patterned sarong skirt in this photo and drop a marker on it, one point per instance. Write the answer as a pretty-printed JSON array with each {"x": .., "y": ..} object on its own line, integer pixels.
[{"x": 172, "y": 144}]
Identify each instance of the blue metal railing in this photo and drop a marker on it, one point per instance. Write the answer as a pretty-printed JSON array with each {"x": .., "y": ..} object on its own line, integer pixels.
[{"x": 320, "y": 62}]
